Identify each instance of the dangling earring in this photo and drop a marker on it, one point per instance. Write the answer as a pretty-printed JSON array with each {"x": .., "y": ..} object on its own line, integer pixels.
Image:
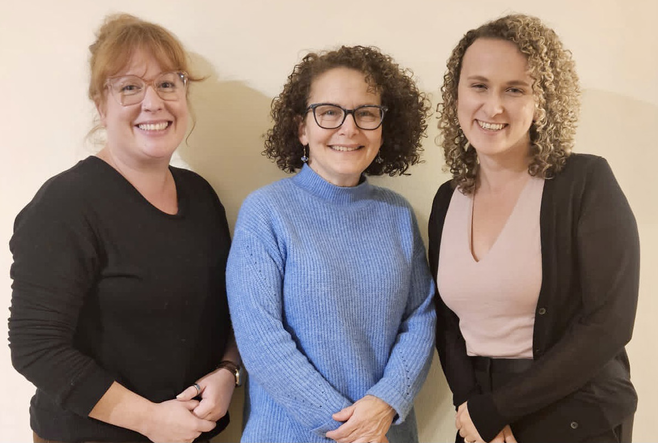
[
  {"x": 305, "y": 154},
  {"x": 379, "y": 159}
]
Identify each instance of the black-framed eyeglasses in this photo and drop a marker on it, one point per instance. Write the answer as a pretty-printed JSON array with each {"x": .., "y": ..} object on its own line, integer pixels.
[
  {"x": 331, "y": 116},
  {"x": 130, "y": 90}
]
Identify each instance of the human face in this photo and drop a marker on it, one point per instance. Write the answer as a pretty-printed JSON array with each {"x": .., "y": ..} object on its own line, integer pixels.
[
  {"x": 340, "y": 155},
  {"x": 149, "y": 131},
  {"x": 495, "y": 104}
]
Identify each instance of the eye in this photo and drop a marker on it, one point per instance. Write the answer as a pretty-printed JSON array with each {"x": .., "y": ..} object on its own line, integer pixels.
[
  {"x": 516, "y": 91},
  {"x": 129, "y": 88},
  {"x": 328, "y": 111},
  {"x": 479, "y": 86},
  {"x": 368, "y": 113},
  {"x": 167, "y": 85}
]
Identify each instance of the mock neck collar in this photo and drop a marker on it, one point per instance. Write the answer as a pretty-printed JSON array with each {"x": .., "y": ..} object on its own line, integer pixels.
[{"x": 310, "y": 181}]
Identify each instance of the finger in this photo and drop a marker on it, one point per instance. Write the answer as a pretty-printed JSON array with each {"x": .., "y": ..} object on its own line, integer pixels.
[
  {"x": 344, "y": 414},
  {"x": 206, "y": 425},
  {"x": 509, "y": 436},
  {"x": 190, "y": 404},
  {"x": 189, "y": 393},
  {"x": 204, "y": 409},
  {"x": 343, "y": 432}
]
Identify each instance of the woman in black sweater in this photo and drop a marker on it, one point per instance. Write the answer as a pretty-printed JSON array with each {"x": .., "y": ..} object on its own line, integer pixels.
[
  {"x": 560, "y": 374},
  {"x": 119, "y": 300}
]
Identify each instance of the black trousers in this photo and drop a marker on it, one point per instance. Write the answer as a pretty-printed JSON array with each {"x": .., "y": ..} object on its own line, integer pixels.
[{"x": 494, "y": 373}]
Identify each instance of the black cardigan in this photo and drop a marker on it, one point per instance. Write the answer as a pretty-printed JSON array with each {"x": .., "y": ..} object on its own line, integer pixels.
[{"x": 580, "y": 382}]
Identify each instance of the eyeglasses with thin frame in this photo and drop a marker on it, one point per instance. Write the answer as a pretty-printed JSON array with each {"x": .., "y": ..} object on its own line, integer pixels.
[
  {"x": 331, "y": 116},
  {"x": 130, "y": 89}
]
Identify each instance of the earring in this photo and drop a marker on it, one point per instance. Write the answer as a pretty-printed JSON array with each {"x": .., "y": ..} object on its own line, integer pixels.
[
  {"x": 379, "y": 159},
  {"x": 305, "y": 154}
]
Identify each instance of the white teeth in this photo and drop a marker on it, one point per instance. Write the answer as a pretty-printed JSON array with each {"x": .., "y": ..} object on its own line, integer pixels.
[
  {"x": 491, "y": 126},
  {"x": 153, "y": 126},
  {"x": 344, "y": 148}
]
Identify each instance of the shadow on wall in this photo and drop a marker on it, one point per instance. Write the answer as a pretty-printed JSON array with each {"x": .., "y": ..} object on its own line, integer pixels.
[
  {"x": 225, "y": 148},
  {"x": 619, "y": 128},
  {"x": 226, "y": 144}
]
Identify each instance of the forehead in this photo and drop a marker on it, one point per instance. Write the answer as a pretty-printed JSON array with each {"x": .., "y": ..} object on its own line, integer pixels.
[
  {"x": 494, "y": 58},
  {"x": 344, "y": 84},
  {"x": 143, "y": 63}
]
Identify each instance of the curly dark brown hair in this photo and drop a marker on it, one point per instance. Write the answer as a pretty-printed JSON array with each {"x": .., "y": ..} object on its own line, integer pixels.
[
  {"x": 555, "y": 88},
  {"x": 404, "y": 124}
]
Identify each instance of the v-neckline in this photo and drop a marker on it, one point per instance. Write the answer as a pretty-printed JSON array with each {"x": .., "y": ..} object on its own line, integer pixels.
[{"x": 502, "y": 230}]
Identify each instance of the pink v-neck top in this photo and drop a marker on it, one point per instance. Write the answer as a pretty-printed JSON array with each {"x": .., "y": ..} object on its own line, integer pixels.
[{"x": 495, "y": 298}]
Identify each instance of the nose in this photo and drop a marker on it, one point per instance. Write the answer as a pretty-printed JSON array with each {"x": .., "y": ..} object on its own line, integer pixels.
[
  {"x": 493, "y": 105},
  {"x": 152, "y": 101},
  {"x": 349, "y": 125}
]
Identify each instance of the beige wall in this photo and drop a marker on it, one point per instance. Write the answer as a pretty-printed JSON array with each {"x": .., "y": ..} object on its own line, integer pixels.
[{"x": 247, "y": 49}]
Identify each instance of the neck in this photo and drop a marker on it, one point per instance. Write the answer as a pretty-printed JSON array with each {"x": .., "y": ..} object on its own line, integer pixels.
[
  {"x": 495, "y": 174},
  {"x": 139, "y": 174},
  {"x": 151, "y": 179}
]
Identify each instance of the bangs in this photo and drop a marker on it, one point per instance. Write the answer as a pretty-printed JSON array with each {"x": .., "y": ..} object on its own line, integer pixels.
[{"x": 165, "y": 50}]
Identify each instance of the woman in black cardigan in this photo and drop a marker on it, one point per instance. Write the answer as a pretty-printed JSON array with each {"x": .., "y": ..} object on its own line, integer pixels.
[{"x": 508, "y": 117}]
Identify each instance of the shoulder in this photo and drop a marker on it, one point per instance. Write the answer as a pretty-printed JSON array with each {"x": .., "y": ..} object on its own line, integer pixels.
[
  {"x": 262, "y": 205},
  {"x": 70, "y": 188},
  {"x": 62, "y": 206},
  {"x": 443, "y": 196},
  {"x": 272, "y": 195},
  {"x": 191, "y": 180},
  {"x": 583, "y": 166},
  {"x": 390, "y": 197}
]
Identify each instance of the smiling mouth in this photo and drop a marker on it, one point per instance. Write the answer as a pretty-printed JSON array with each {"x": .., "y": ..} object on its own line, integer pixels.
[
  {"x": 161, "y": 126},
  {"x": 491, "y": 126},
  {"x": 341, "y": 148}
]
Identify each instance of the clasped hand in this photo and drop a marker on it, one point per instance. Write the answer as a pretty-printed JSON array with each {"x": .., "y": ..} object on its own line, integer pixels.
[
  {"x": 469, "y": 432},
  {"x": 215, "y": 390},
  {"x": 366, "y": 421}
]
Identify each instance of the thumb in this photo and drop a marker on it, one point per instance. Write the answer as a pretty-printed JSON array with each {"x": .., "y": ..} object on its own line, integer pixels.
[
  {"x": 190, "y": 405},
  {"x": 206, "y": 425},
  {"x": 344, "y": 414},
  {"x": 188, "y": 394}
]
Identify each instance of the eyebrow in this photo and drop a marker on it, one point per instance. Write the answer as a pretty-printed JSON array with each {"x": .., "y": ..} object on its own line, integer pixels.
[{"x": 511, "y": 83}]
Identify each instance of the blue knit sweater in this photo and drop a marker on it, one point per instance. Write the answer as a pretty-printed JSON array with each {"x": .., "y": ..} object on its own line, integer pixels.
[{"x": 331, "y": 300}]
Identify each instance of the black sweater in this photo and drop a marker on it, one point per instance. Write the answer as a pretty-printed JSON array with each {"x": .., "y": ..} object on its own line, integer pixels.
[
  {"x": 108, "y": 288},
  {"x": 580, "y": 382}
]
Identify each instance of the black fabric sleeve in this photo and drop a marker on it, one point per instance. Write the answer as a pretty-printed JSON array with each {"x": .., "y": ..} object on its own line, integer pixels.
[
  {"x": 450, "y": 343},
  {"x": 55, "y": 266},
  {"x": 607, "y": 275}
]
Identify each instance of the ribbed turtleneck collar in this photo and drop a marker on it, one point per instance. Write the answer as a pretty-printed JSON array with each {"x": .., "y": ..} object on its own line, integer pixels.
[{"x": 309, "y": 180}]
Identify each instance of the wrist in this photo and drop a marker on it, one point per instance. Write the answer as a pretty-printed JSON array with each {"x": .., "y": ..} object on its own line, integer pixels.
[
  {"x": 234, "y": 369},
  {"x": 145, "y": 419}
]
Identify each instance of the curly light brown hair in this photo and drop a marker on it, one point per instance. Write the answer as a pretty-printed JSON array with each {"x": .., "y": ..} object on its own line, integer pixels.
[
  {"x": 555, "y": 88},
  {"x": 404, "y": 124}
]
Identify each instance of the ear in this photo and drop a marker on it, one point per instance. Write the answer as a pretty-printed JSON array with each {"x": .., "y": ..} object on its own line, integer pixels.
[
  {"x": 100, "y": 107},
  {"x": 301, "y": 131}
]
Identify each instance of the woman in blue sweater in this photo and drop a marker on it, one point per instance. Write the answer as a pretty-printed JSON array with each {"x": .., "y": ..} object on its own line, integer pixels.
[{"x": 329, "y": 290}]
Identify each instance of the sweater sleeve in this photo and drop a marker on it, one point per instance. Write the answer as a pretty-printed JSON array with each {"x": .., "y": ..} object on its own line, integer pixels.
[
  {"x": 450, "y": 343},
  {"x": 55, "y": 265},
  {"x": 411, "y": 355},
  {"x": 607, "y": 267},
  {"x": 254, "y": 281}
]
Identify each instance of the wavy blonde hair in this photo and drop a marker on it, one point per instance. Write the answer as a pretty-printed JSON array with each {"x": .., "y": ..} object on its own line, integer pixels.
[
  {"x": 556, "y": 90},
  {"x": 118, "y": 38}
]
